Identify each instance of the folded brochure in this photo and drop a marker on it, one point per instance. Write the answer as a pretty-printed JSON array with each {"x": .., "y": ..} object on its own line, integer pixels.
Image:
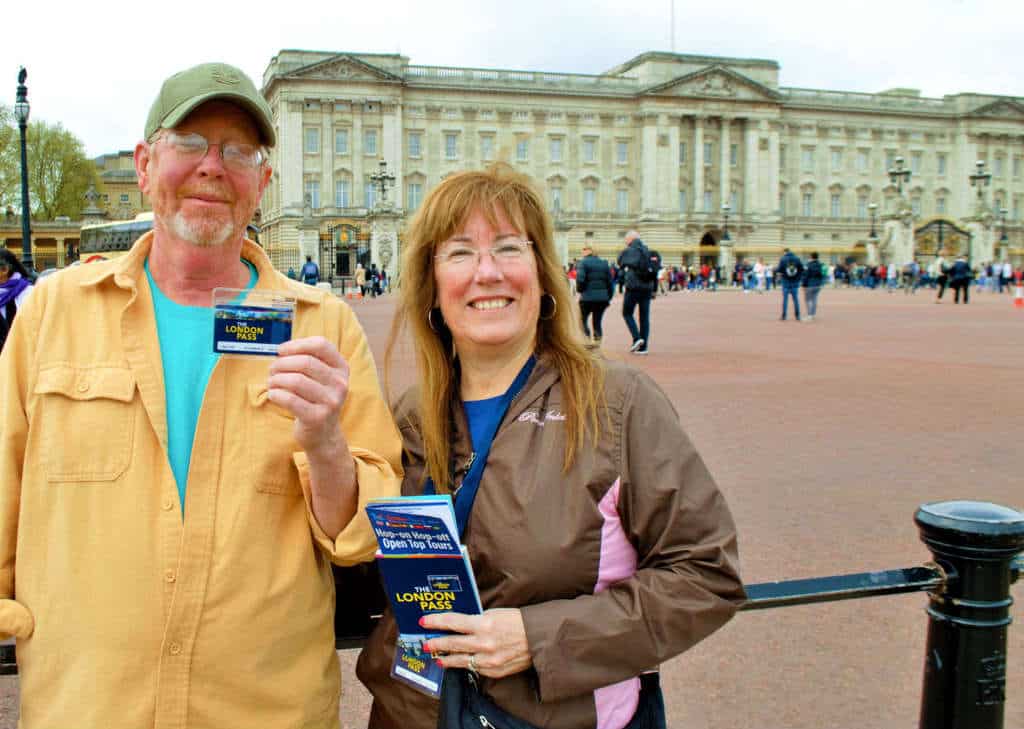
[{"x": 425, "y": 570}]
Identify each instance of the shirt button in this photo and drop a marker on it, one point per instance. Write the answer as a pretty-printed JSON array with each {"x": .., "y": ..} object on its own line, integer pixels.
[
  {"x": 169, "y": 576},
  {"x": 83, "y": 386},
  {"x": 167, "y": 505},
  {"x": 174, "y": 648}
]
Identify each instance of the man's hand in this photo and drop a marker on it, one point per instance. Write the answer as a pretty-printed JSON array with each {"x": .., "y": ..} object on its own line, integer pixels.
[
  {"x": 309, "y": 379},
  {"x": 496, "y": 641}
]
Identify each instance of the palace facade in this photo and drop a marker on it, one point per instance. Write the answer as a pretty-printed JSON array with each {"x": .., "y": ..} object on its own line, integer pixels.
[{"x": 660, "y": 143}]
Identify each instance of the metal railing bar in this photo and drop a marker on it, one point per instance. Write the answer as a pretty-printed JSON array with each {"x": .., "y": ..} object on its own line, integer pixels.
[{"x": 765, "y": 595}]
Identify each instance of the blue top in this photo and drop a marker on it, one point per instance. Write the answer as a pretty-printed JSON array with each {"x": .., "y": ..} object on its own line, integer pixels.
[
  {"x": 186, "y": 351},
  {"x": 483, "y": 417}
]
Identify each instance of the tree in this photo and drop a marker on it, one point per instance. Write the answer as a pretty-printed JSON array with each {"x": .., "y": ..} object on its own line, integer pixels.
[{"x": 59, "y": 173}]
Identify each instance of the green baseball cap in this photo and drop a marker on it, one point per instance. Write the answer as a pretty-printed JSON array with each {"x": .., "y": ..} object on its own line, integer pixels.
[{"x": 184, "y": 91}]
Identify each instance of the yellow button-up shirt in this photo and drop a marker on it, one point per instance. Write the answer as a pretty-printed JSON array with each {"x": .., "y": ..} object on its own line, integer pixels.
[{"x": 125, "y": 614}]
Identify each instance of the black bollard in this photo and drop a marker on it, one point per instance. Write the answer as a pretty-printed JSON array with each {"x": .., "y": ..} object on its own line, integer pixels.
[{"x": 965, "y": 666}]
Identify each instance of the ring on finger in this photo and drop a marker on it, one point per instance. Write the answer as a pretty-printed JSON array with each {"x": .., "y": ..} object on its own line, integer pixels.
[{"x": 472, "y": 663}]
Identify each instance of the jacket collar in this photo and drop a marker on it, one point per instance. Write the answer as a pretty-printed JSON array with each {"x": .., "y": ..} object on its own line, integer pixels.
[{"x": 127, "y": 270}]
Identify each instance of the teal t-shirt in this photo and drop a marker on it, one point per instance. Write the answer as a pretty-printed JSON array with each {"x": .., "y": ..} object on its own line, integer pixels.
[{"x": 186, "y": 351}]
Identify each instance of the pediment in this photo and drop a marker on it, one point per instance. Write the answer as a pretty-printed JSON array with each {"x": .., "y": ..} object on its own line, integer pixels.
[
  {"x": 1001, "y": 109},
  {"x": 344, "y": 68},
  {"x": 715, "y": 82}
]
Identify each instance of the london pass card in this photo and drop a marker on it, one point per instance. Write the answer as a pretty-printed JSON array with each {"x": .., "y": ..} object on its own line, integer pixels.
[{"x": 251, "y": 322}]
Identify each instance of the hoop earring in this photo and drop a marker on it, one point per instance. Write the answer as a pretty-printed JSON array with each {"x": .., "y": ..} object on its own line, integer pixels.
[
  {"x": 435, "y": 327},
  {"x": 548, "y": 315}
]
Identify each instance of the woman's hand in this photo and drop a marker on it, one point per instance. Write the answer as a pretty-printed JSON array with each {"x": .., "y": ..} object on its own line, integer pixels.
[{"x": 493, "y": 644}]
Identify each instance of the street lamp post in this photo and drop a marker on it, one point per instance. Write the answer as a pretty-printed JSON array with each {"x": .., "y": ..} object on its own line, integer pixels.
[
  {"x": 980, "y": 180},
  {"x": 899, "y": 175},
  {"x": 21, "y": 111},
  {"x": 725, "y": 224},
  {"x": 382, "y": 180}
]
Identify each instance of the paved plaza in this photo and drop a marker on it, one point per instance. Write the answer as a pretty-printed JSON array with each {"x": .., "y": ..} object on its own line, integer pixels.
[{"x": 825, "y": 436}]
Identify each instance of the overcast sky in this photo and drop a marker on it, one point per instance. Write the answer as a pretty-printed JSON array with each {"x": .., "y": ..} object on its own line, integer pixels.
[{"x": 96, "y": 68}]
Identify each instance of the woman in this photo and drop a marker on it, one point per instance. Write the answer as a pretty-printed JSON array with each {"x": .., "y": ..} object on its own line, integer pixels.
[
  {"x": 15, "y": 285},
  {"x": 594, "y": 283},
  {"x": 600, "y": 542}
]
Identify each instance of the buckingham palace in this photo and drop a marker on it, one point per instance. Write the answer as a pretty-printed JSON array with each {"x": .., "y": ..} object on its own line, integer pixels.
[{"x": 710, "y": 158}]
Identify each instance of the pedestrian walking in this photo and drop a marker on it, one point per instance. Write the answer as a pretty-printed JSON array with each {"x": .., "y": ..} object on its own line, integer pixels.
[
  {"x": 791, "y": 273},
  {"x": 641, "y": 274},
  {"x": 814, "y": 279},
  {"x": 310, "y": 272},
  {"x": 960, "y": 280},
  {"x": 594, "y": 282}
]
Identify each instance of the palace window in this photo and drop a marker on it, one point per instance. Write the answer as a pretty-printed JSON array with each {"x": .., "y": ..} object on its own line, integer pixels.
[
  {"x": 369, "y": 194},
  {"x": 863, "y": 160},
  {"x": 589, "y": 200},
  {"x": 682, "y": 201},
  {"x": 313, "y": 193},
  {"x": 414, "y": 195},
  {"x": 415, "y": 140},
  {"x": 589, "y": 150},
  {"x": 997, "y": 168},
  {"x": 940, "y": 163},
  {"x": 312, "y": 143},
  {"x": 622, "y": 152},
  {"x": 342, "y": 194},
  {"x": 734, "y": 155},
  {"x": 915, "y": 162},
  {"x": 556, "y": 149},
  {"x": 522, "y": 150},
  {"x": 835, "y": 206},
  {"x": 940, "y": 205},
  {"x": 807, "y": 159},
  {"x": 370, "y": 141},
  {"x": 807, "y": 205},
  {"x": 709, "y": 153},
  {"x": 556, "y": 198},
  {"x": 862, "y": 206},
  {"x": 486, "y": 147},
  {"x": 707, "y": 201},
  {"x": 451, "y": 145},
  {"x": 682, "y": 153},
  {"x": 734, "y": 201},
  {"x": 622, "y": 202},
  {"x": 341, "y": 141},
  {"x": 837, "y": 159}
]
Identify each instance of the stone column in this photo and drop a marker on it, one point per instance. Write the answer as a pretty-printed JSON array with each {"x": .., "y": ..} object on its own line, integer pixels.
[
  {"x": 725, "y": 174},
  {"x": 751, "y": 185},
  {"x": 289, "y": 152},
  {"x": 771, "y": 205},
  {"x": 392, "y": 148},
  {"x": 358, "y": 189},
  {"x": 649, "y": 164},
  {"x": 676, "y": 175},
  {"x": 698, "y": 164}
]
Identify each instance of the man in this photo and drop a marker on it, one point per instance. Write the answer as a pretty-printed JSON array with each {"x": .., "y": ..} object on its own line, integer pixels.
[
  {"x": 791, "y": 272},
  {"x": 171, "y": 515},
  {"x": 814, "y": 279},
  {"x": 941, "y": 276},
  {"x": 640, "y": 270},
  {"x": 594, "y": 279},
  {"x": 310, "y": 272},
  {"x": 960, "y": 279}
]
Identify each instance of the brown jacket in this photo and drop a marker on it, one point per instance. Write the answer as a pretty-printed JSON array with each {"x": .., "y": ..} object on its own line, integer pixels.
[{"x": 538, "y": 538}]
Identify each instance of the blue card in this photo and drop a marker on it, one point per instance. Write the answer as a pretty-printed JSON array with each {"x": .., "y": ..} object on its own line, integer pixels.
[{"x": 251, "y": 322}]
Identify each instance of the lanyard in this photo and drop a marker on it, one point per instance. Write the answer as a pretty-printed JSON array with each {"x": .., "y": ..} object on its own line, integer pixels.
[{"x": 466, "y": 494}]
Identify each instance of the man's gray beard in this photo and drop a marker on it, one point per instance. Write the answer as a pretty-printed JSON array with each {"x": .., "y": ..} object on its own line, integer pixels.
[{"x": 200, "y": 233}]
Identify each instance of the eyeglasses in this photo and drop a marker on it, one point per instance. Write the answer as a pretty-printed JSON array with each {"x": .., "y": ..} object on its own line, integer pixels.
[
  {"x": 507, "y": 252},
  {"x": 193, "y": 147}
]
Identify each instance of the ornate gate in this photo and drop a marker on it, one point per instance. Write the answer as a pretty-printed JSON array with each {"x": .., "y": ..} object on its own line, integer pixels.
[{"x": 941, "y": 235}]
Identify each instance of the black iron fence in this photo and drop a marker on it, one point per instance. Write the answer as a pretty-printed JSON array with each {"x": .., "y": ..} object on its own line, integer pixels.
[{"x": 976, "y": 548}]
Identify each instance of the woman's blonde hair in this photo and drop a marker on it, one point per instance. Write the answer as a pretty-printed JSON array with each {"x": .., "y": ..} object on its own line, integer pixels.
[{"x": 559, "y": 343}]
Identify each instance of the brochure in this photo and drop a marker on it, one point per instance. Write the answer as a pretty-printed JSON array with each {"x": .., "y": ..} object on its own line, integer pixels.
[{"x": 425, "y": 570}]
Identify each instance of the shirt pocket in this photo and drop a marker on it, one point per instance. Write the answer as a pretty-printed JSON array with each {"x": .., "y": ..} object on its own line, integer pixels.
[
  {"x": 85, "y": 418},
  {"x": 271, "y": 444}
]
